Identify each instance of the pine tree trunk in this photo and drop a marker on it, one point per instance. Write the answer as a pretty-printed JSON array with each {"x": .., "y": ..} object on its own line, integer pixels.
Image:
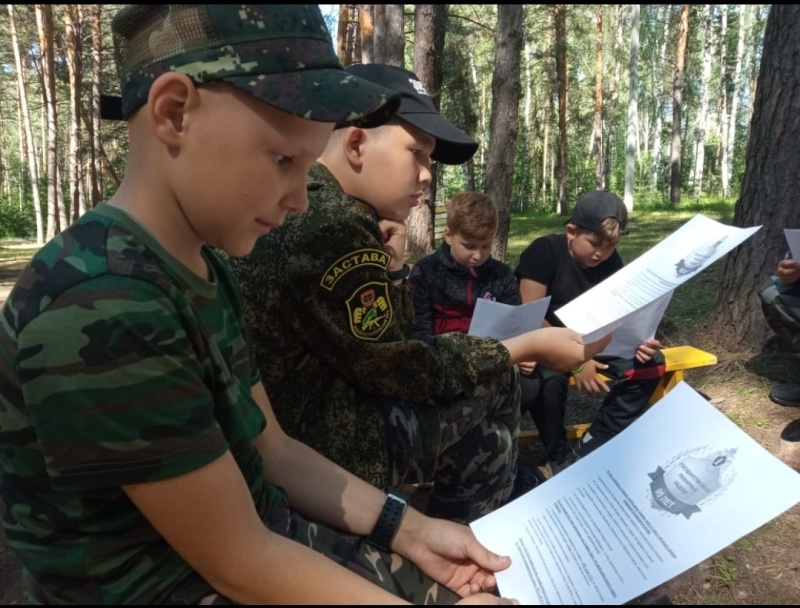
[
  {"x": 94, "y": 121},
  {"x": 677, "y": 100},
  {"x": 430, "y": 22},
  {"x": 723, "y": 120},
  {"x": 702, "y": 115},
  {"x": 44, "y": 22},
  {"x": 33, "y": 167},
  {"x": 597, "y": 146},
  {"x": 731, "y": 138},
  {"x": 366, "y": 31},
  {"x": 769, "y": 188},
  {"x": 504, "y": 125},
  {"x": 559, "y": 14},
  {"x": 633, "y": 110},
  {"x": 73, "y": 39},
  {"x": 388, "y": 41},
  {"x": 613, "y": 108},
  {"x": 548, "y": 117}
]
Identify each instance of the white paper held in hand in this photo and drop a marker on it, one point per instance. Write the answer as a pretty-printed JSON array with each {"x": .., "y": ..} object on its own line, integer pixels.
[{"x": 676, "y": 487}]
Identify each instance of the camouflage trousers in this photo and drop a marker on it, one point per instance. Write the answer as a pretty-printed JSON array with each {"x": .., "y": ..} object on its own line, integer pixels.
[
  {"x": 389, "y": 571},
  {"x": 781, "y": 307},
  {"x": 466, "y": 449}
]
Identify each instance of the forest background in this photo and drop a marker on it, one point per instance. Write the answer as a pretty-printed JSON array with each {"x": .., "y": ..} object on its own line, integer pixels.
[{"x": 654, "y": 102}]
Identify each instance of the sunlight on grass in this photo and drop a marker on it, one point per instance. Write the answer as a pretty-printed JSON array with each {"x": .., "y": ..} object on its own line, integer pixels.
[{"x": 16, "y": 249}]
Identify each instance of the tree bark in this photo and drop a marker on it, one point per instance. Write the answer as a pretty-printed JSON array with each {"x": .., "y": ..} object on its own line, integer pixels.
[
  {"x": 388, "y": 37},
  {"x": 631, "y": 143},
  {"x": 560, "y": 17},
  {"x": 44, "y": 22},
  {"x": 366, "y": 31},
  {"x": 677, "y": 100},
  {"x": 702, "y": 114},
  {"x": 613, "y": 108},
  {"x": 504, "y": 121},
  {"x": 597, "y": 145},
  {"x": 430, "y": 22},
  {"x": 769, "y": 188},
  {"x": 73, "y": 28},
  {"x": 94, "y": 121},
  {"x": 348, "y": 41},
  {"x": 33, "y": 167},
  {"x": 730, "y": 140},
  {"x": 723, "y": 103}
]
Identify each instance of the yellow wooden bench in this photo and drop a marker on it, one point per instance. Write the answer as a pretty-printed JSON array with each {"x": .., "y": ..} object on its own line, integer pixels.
[{"x": 677, "y": 360}]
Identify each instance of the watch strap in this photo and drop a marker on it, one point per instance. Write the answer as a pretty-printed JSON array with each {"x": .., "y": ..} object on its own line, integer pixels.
[
  {"x": 389, "y": 519},
  {"x": 400, "y": 274}
]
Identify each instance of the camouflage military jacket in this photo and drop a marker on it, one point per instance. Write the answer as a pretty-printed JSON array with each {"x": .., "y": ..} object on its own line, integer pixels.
[
  {"x": 331, "y": 332},
  {"x": 118, "y": 365}
]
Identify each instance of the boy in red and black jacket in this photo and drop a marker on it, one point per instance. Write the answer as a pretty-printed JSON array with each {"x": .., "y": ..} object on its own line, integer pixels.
[{"x": 448, "y": 282}]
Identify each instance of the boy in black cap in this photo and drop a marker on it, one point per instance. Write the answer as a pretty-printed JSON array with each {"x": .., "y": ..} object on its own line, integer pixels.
[
  {"x": 563, "y": 266},
  {"x": 328, "y": 293},
  {"x": 140, "y": 460}
]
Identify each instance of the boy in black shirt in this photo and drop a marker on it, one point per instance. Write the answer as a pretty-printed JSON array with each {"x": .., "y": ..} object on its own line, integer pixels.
[{"x": 563, "y": 266}]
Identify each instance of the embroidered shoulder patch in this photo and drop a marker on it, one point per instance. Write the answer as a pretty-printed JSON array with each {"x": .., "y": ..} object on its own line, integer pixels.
[
  {"x": 354, "y": 259},
  {"x": 370, "y": 311}
]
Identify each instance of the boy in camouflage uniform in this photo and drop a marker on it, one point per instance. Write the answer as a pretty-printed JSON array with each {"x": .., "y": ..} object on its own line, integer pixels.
[
  {"x": 328, "y": 291},
  {"x": 141, "y": 460}
]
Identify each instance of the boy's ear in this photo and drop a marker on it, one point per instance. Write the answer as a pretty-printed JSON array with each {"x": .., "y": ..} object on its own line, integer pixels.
[
  {"x": 448, "y": 236},
  {"x": 353, "y": 145},
  {"x": 572, "y": 230},
  {"x": 171, "y": 96}
]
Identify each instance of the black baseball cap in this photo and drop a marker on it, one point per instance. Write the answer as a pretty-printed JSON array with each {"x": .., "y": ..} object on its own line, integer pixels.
[
  {"x": 453, "y": 146},
  {"x": 594, "y": 207}
]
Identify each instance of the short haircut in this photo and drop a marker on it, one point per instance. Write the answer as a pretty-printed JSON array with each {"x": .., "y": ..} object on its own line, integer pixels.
[
  {"x": 473, "y": 215},
  {"x": 609, "y": 231}
]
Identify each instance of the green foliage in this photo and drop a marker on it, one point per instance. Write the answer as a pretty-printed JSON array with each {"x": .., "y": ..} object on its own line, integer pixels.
[{"x": 17, "y": 222}]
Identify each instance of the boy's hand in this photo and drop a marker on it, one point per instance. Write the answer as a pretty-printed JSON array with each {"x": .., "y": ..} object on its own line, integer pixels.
[
  {"x": 588, "y": 380},
  {"x": 788, "y": 270},
  {"x": 646, "y": 350},
  {"x": 527, "y": 367},
  {"x": 394, "y": 241}
]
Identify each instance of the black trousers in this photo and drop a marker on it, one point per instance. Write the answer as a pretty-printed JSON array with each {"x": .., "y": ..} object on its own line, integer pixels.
[{"x": 544, "y": 395}]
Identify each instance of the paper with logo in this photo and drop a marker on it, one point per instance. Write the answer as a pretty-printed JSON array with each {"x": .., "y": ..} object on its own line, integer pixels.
[
  {"x": 793, "y": 238},
  {"x": 659, "y": 498},
  {"x": 502, "y": 321},
  {"x": 691, "y": 248}
]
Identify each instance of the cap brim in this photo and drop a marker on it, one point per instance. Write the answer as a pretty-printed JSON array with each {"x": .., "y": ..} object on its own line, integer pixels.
[
  {"x": 323, "y": 95},
  {"x": 453, "y": 146}
]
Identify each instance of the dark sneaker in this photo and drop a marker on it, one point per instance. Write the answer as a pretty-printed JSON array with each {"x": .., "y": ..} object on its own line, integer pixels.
[
  {"x": 557, "y": 467},
  {"x": 786, "y": 394},
  {"x": 586, "y": 445}
]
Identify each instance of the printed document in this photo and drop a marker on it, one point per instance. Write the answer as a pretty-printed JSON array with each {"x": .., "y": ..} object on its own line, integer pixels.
[
  {"x": 656, "y": 500},
  {"x": 793, "y": 238},
  {"x": 502, "y": 321},
  {"x": 693, "y": 247}
]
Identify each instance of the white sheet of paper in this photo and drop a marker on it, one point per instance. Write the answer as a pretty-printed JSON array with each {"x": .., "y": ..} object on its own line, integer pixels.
[
  {"x": 793, "y": 238},
  {"x": 659, "y": 498},
  {"x": 502, "y": 321},
  {"x": 635, "y": 328},
  {"x": 693, "y": 247}
]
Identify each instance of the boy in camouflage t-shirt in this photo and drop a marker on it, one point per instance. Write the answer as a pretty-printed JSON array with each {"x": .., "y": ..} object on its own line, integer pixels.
[{"x": 141, "y": 460}]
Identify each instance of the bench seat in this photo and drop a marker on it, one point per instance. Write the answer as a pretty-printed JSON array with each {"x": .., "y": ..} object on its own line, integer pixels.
[{"x": 677, "y": 360}]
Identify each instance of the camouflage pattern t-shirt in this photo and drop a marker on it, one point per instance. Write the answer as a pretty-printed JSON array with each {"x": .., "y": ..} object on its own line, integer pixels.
[{"x": 118, "y": 365}]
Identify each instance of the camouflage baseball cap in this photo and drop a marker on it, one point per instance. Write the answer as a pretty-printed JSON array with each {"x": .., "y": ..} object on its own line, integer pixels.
[{"x": 280, "y": 54}]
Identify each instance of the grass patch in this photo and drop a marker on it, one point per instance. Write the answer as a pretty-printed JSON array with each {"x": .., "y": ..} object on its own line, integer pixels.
[
  {"x": 723, "y": 570},
  {"x": 16, "y": 250}
]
